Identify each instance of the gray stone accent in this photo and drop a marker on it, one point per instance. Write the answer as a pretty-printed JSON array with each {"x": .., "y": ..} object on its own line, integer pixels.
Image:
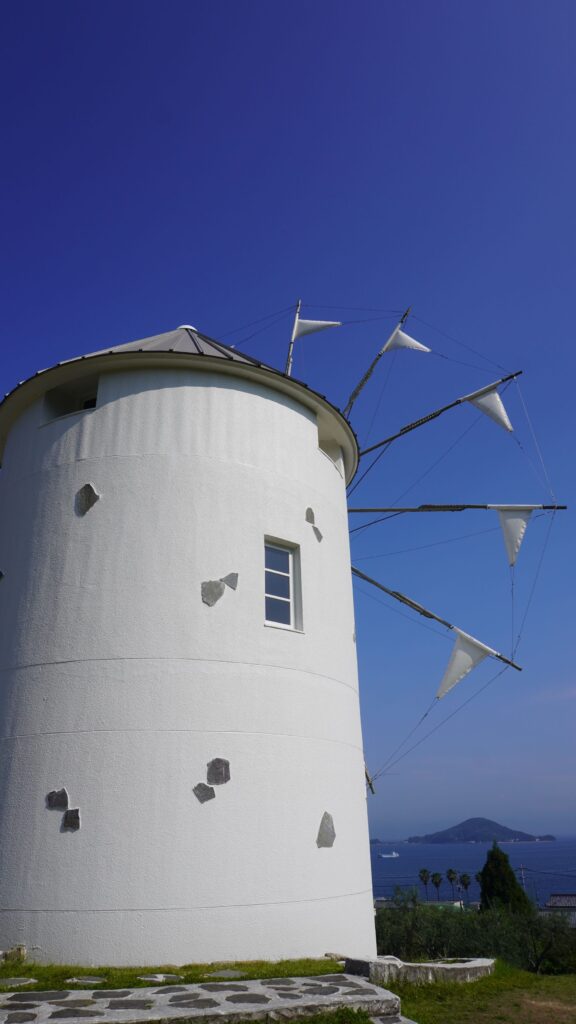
[
  {"x": 311, "y": 518},
  {"x": 129, "y": 1004},
  {"x": 19, "y": 1018},
  {"x": 72, "y": 1002},
  {"x": 14, "y": 982},
  {"x": 57, "y": 800},
  {"x": 326, "y": 832},
  {"x": 71, "y": 820},
  {"x": 202, "y": 792},
  {"x": 231, "y": 580},
  {"x": 302, "y": 997},
  {"x": 218, "y": 772},
  {"x": 211, "y": 591},
  {"x": 249, "y": 997},
  {"x": 21, "y": 1003},
  {"x": 85, "y": 499},
  {"x": 39, "y": 997},
  {"x": 113, "y": 993},
  {"x": 215, "y": 986}
]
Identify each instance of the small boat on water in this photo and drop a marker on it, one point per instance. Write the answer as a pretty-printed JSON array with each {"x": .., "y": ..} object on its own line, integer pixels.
[{"x": 393, "y": 854}]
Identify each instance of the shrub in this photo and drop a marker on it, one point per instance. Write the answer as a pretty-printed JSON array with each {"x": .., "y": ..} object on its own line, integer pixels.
[{"x": 414, "y": 931}]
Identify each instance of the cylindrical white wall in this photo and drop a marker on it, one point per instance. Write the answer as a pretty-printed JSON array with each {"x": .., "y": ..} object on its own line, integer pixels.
[{"x": 118, "y": 683}]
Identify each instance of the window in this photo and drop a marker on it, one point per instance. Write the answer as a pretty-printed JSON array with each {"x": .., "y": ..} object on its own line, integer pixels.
[
  {"x": 76, "y": 396},
  {"x": 281, "y": 585}
]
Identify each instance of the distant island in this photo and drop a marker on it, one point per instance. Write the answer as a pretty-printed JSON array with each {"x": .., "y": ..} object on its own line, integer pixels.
[{"x": 480, "y": 830}]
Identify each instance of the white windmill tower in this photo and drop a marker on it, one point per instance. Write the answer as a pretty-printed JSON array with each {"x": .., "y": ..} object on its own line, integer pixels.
[{"x": 182, "y": 767}]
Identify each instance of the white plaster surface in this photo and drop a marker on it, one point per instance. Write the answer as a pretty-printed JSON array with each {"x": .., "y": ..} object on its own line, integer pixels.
[{"x": 120, "y": 684}]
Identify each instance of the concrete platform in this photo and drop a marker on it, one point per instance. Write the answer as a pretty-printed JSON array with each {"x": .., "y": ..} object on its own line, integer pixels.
[
  {"x": 233, "y": 1001},
  {"x": 386, "y": 970}
]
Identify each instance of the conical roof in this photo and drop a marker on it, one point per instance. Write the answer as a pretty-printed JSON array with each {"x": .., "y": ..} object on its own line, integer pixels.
[
  {"x": 186, "y": 340},
  {"x": 181, "y": 347}
]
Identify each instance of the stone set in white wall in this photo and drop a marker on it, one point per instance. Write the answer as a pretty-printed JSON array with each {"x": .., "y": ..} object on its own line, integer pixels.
[
  {"x": 217, "y": 774},
  {"x": 85, "y": 499},
  {"x": 58, "y": 800},
  {"x": 212, "y": 590},
  {"x": 326, "y": 832},
  {"x": 311, "y": 518}
]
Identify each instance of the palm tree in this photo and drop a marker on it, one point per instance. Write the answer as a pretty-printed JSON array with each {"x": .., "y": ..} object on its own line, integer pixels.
[
  {"x": 424, "y": 876},
  {"x": 436, "y": 880},
  {"x": 465, "y": 882},
  {"x": 452, "y": 877}
]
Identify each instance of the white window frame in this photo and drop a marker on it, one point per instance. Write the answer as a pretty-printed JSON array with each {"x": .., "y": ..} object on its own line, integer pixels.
[{"x": 293, "y": 574}]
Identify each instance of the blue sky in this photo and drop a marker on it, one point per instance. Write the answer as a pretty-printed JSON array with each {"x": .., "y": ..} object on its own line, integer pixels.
[{"x": 211, "y": 162}]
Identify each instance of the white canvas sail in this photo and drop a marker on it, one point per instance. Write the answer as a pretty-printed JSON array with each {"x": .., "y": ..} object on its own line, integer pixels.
[
  {"x": 399, "y": 339},
  {"x": 466, "y": 654},
  {"x": 302, "y": 327},
  {"x": 490, "y": 403},
  {"x": 513, "y": 523}
]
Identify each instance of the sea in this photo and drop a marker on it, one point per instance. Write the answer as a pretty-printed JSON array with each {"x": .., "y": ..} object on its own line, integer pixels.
[{"x": 542, "y": 868}]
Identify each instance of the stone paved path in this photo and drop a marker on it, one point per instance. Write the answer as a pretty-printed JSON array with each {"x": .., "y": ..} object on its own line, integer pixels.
[{"x": 224, "y": 1000}]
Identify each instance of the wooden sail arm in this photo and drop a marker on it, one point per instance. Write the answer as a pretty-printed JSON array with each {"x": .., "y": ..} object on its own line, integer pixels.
[
  {"x": 423, "y": 611},
  {"x": 438, "y": 412},
  {"x": 462, "y": 508}
]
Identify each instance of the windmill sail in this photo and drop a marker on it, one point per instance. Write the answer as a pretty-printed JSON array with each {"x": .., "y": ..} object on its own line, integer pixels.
[
  {"x": 466, "y": 654},
  {"x": 490, "y": 403},
  {"x": 513, "y": 523},
  {"x": 302, "y": 327},
  {"x": 399, "y": 339}
]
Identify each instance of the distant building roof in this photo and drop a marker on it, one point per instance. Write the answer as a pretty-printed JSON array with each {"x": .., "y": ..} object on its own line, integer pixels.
[
  {"x": 565, "y": 900},
  {"x": 563, "y": 903}
]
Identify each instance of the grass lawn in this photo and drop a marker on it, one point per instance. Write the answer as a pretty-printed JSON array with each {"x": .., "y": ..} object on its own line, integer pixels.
[
  {"x": 53, "y": 976},
  {"x": 509, "y": 996}
]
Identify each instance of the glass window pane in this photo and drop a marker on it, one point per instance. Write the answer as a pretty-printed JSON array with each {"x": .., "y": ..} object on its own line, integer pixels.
[
  {"x": 278, "y": 586},
  {"x": 277, "y": 611},
  {"x": 278, "y": 559}
]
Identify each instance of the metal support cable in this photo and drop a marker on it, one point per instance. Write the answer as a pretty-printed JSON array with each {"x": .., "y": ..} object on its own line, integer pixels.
[{"x": 443, "y": 721}]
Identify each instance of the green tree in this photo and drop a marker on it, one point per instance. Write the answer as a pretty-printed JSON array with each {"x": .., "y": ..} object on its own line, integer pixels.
[
  {"x": 465, "y": 881},
  {"x": 436, "y": 880},
  {"x": 499, "y": 887},
  {"x": 452, "y": 877},
  {"x": 424, "y": 876}
]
